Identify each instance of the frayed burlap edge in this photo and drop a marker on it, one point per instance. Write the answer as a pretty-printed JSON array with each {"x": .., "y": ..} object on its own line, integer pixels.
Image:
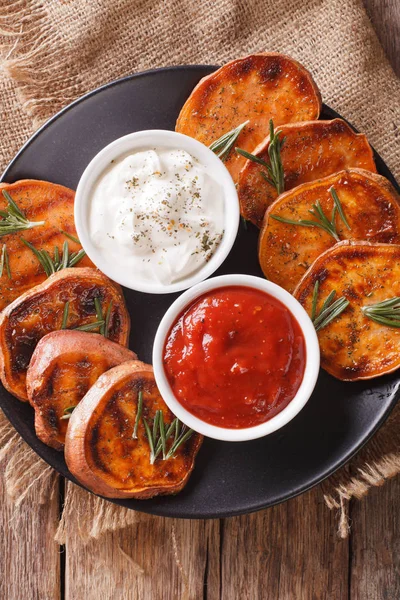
[
  {"x": 22, "y": 35},
  {"x": 88, "y": 516}
]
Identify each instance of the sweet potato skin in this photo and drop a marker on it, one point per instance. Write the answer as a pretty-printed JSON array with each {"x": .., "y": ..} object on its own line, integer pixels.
[
  {"x": 100, "y": 450},
  {"x": 311, "y": 151},
  {"x": 352, "y": 346},
  {"x": 40, "y": 201},
  {"x": 64, "y": 365},
  {"x": 258, "y": 87},
  {"x": 371, "y": 206},
  {"x": 40, "y": 311}
]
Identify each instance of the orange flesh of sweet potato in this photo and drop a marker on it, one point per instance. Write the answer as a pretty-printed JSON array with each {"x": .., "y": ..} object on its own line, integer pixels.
[
  {"x": 371, "y": 206},
  {"x": 64, "y": 365},
  {"x": 100, "y": 449},
  {"x": 40, "y": 311},
  {"x": 353, "y": 346},
  {"x": 257, "y": 88},
  {"x": 310, "y": 151},
  {"x": 39, "y": 201}
]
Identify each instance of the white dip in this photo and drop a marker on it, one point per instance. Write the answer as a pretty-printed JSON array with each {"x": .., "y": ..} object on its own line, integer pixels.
[{"x": 157, "y": 214}]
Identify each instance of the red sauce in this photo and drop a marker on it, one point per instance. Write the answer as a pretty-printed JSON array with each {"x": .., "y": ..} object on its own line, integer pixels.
[{"x": 235, "y": 357}]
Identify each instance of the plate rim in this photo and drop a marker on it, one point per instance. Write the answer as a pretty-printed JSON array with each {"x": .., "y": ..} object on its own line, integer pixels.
[{"x": 214, "y": 514}]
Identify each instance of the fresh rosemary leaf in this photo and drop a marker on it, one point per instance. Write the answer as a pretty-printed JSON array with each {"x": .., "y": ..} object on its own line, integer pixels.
[
  {"x": 90, "y": 326},
  {"x": 183, "y": 437},
  {"x": 223, "y": 146},
  {"x": 67, "y": 413},
  {"x": 150, "y": 440},
  {"x": 65, "y": 316},
  {"x": 4, "y": 262},
  {"x": 99, "y": 314},
  {"x": 158, "y": 436},
  {"x": 252, "y": 157},
  {"x": 57, "y": 263},
  {"x": 276, "y": 176},
  {"x": 330, "y": 309},
  {"x": 339, "y": 207},
  {"x": 314, "y": 301},
  {"x": 385, "y": 313},
  {"x": 138, "y": 415},
  {"x": 14, "y": 219},
  {"x": 107, "y": 320},
  {"x": 70, "y": 236},
  {"x": 321, "y": 220}
]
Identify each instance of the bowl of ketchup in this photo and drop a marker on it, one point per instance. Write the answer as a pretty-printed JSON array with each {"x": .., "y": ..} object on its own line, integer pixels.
[{"x": 236, "y": 357}]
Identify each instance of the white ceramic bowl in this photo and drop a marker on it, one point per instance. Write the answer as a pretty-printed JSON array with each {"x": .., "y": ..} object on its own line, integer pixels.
[
  {"x": 161, "y": 139},
  {"x": 311, "y": 368}
]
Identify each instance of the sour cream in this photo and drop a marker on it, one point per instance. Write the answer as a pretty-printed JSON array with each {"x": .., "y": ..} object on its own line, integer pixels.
[{"x": 157, "y": 213}]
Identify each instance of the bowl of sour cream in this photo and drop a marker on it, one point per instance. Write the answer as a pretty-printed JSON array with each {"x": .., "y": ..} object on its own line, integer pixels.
[{"x": 157, "y": 211}]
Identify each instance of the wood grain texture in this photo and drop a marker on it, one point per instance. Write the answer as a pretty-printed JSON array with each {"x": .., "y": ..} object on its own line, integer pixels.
[
  {"x": 385, "y": 17},
  {"x": 375, "y": 544},
  {"x": 289, "y": 552},
  {"x": 161, "y": 559},
  {"x": 29, "y": 556}
]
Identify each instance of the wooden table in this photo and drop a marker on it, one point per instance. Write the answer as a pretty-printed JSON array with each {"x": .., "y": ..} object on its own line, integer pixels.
[{"x": 289, "y": 552}]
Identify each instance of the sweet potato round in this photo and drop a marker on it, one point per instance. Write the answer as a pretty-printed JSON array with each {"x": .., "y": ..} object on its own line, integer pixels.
[
  {"x": 39, "y": 201},
  {"x": 64, "y": 365},
  {"x": 100, "y": 450},
  {"x": 257, "y": 88},
  {"x": 310, "y": 151},
  {"x": 353, "y": 346},
  {"x": 371, "y": 206},
  {"x": 40, "y": 310}
]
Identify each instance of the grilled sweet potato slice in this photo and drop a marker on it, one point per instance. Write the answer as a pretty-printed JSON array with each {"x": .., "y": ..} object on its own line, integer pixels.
[
  {"x": 371, "y": 207},
  {"x": 352, "y": 345},
  {"x": 310, "y": 151},
  {"x": 39, "y": 201},
  {"x": 64, "y": 365},
  {"x": 100, "y": 449},
  {"x": 42, "y": 309},
  {"x": 257, "y": 88}
]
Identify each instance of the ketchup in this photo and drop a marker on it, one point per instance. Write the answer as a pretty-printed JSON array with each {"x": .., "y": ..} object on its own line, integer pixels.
[{"x": 235, "y": 357}]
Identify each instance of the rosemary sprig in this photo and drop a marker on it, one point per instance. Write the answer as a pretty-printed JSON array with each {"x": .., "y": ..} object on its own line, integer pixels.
[
  {"x": 67, "y": 413},
  {"x": 65, "y": 316},
  {"x": 102, "y": 324},
  {"x": 385, "y": 313},
  {"x": 14, "y": 219},
  {"x": 330, "y": 309},
  {"x": 158, "y": 436},
  {"x": 105, "y": 319},
  {"x": 322, "y": 220},
  {"x": 70, "y": 236},
  {"x": 4, "y": 262},
  {"x": 138, "y": 415},
  {"x": 90, "y": 326},
  {"x": 223, "y": 145},
  {"x": 58, "y": 262},
  {"x": 276, "y": 176}
]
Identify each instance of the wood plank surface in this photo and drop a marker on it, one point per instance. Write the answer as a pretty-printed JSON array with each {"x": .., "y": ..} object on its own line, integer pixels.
[
  {"x": 161, "y": 559},
  {"x": 375, "y": 544},
  {"x": 29, "y": 556},
  {"x": 289, "y": 552}
]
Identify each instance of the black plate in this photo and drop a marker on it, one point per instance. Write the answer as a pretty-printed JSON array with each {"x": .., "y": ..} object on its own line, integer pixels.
[{"x": 229, "y": 478}]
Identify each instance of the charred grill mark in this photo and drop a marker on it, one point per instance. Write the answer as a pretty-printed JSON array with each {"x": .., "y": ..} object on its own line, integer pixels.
[
  {"x": 86, "y": 297},
  {"x": 271, "y": 71},
  {"x": 94, "y": 444},
  {"x": 115, "y": 324}
]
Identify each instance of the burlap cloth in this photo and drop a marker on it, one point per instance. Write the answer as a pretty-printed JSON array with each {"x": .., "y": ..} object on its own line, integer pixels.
[{"x": 56, "y": 50}]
